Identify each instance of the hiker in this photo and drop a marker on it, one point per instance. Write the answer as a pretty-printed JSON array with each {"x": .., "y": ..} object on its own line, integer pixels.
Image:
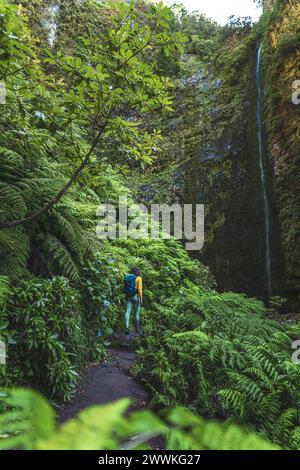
[{"x": 133, "y": 289}]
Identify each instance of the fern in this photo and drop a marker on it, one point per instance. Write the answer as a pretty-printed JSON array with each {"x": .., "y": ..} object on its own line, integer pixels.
[
  {"x": 28, "y": 423},
  {"x": 14, "y": 251},
  {"x": 17, "y": 204},
  {"x": 61, "y": 256},
  {"x": 295, "y": 438},
  {"x": 235, "y": 362},
  {"x": 28, "y": 417},
  {"x": 4, "y": 290},
  {"x": 63, "y": 232},
  {"x": 210, "y": 435},
  {"x": 234, "y": 400}
]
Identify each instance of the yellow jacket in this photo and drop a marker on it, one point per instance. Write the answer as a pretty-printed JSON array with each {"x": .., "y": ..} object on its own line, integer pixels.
[{"x": 139, "y": 287}]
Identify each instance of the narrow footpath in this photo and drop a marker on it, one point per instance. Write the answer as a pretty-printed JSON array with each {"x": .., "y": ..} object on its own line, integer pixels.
[{"x": 108, "y": 381}]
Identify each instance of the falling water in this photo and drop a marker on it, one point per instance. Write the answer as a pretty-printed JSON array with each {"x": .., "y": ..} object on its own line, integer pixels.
[
  {"x": 51, "y": 23},
  {"x": 266, "y": 208}
]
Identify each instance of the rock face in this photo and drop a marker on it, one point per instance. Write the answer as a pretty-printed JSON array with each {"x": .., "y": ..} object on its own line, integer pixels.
[
  {"x": 225, "y": 183},
  {"x": 225, "y": 177},
  {"x": 221, "y": 168},
  {"x": 282, "y": 118}
]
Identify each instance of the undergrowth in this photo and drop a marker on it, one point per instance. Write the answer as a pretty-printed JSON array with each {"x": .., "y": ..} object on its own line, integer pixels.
[{"x": 222, "y": 356}]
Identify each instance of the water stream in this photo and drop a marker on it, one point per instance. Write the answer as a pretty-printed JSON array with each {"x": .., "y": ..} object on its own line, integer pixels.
[
  {"x": 51, "y": 23},
  {"x": 264, "y": 192}
]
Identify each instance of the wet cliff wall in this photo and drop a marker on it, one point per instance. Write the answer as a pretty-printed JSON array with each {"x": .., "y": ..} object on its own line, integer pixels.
[
  {"x": 282, "y": 121},
  {"x": 225, "y": 178},
  {"x": 228, "y": 181}
]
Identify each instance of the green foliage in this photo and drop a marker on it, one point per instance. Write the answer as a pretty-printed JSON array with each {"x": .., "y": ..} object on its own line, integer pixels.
[
  {"x": 10, "y": 28},
  {"x": 57, "y": 329},
  {"x": 56, "y": 114},
  {"x": 26, "y": 419},
  {"x": 219, "y": 354},
  {"x": 99, "y": 102},
  {"x": 28, "y": 424},
  {"x": 59, "y": 237},
  {"x": 277, "y": 304},
  {"x": 4, "y": 290},
  {"x": 191, "y": 432},
  {"x": 45, "y": 336},
  {"x": 102, "y": 299},
  {"x": 237, "y": 27}
]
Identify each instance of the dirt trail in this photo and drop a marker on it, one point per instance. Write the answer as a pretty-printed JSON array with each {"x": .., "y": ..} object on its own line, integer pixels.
[{"x": 106, "y": 382}]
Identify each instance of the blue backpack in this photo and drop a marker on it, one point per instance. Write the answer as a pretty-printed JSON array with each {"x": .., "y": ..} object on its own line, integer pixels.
[{"x": 129, "y": 285}]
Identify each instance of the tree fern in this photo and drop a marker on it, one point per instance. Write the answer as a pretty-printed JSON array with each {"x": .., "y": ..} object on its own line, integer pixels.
[
  {"x": 14, "y": 251},
  {"x": 12, "y": 196},
  {"x": 68, "y": 229},
  {"x": 61, "y": 255},
  {"x": 26, "y": 185}
]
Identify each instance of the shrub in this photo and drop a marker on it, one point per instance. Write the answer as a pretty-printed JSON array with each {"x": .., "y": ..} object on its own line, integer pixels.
[
  {"x": 101, "y": 296},
  {"x": 46, "y": 340}
]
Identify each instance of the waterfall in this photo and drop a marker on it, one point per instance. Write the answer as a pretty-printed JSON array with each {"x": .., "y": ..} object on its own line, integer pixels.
[
  {"x": 265, "y": 201},
  {"x": 51, "y": 23}
]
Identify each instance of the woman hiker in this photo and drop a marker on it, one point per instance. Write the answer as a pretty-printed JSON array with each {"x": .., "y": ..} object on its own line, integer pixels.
[{"x": 133, "y": 289}]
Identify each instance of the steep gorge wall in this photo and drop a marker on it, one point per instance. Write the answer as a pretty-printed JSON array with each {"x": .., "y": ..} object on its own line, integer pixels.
[
  {"x": 235, "y": 238},
  {"x": 225, "y": 177},
  {"x": 282, "y": 120},
  {"x": 235, "y": 251},
  {"x": 59, "y": 23}
]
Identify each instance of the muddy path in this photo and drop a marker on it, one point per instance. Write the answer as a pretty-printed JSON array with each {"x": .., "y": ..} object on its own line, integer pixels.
[{"x": 105, "y": 382}]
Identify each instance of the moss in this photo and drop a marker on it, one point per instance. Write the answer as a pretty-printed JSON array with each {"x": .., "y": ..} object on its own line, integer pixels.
[{"x": 282, "y": 41}]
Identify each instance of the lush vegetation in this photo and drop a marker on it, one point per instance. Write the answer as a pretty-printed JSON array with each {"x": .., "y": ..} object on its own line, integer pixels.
[
  {"x": 29, "y": 424},
  {"x": 219, "y": 354},
  {"x": 93, "y": 113},
  {"x": 66, "y": 120}
]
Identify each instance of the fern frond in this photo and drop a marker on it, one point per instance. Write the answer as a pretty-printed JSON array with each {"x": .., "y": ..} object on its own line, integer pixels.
[
  {"x": 233, "y": 400},
  {"x": 12, "y": 200},
  {"x": 27, "y": 418},
  {"x": 61, "y": 256},
  {"x": 14, "y": 251},
  {"x": 4, "y": 289}
]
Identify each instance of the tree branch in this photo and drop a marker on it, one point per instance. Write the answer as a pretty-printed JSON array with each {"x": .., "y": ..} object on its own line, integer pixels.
[
  {"x": 85, "y": 161},
  {"x": 61, "y": 193}
]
